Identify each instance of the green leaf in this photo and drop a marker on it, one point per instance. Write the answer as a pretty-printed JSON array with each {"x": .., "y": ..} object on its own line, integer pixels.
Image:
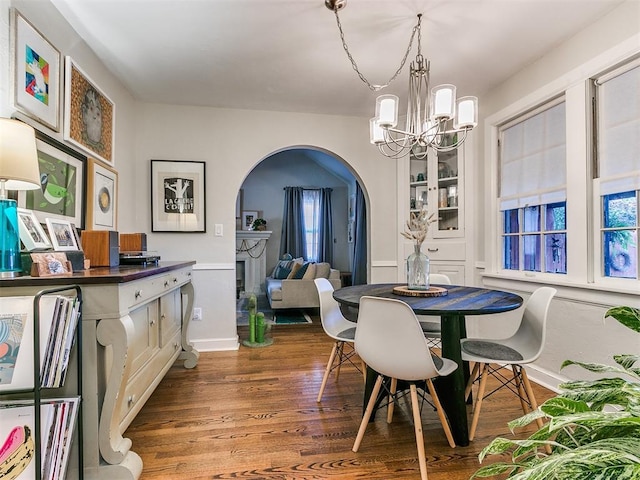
[
  {"x": 627, "y": 316},
  {"x": 557, "y": 406},
  {"x": 594, "y": 367},
  {"x": 626, "y": 361},
  {"x": 493, "y": 470}
]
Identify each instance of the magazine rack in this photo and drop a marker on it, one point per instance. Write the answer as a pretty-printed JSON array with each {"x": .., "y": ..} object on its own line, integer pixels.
[{"x": 18, "y": 395}]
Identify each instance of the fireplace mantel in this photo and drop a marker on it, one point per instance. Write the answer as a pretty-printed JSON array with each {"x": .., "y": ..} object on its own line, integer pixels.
[{"x": 251, "y": 249}]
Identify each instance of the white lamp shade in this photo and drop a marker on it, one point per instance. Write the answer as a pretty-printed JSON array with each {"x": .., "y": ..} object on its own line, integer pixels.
[
  {"x": 18, "y": 156},
  {"x": 467, "y": 113},
  {"x": 443, "y": 102},
  {"x": 375, "y": 131},
  {"x": 387, "y": 111}
]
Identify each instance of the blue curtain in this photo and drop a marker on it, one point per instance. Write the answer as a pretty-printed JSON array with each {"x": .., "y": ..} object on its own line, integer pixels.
[
  {"x": 292, "y": 236},
  {"x": 325, "y": 238},
  {"x": 359, "y": 265}
]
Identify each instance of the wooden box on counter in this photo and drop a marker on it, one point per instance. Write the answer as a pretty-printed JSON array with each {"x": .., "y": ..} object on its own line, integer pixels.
[
  {"x": 133, "y": 242},
  {"x": 101, "y": 247}
]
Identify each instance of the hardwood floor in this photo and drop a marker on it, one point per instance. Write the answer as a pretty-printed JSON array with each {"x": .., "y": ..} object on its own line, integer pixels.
[{"x": 252, "y": 414}]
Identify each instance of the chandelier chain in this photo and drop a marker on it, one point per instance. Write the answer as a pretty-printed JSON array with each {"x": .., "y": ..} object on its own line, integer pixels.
[{"x": 376, "y": 88}]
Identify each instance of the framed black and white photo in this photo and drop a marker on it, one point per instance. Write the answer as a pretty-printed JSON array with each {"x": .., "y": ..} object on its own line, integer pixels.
[
  {"x": 102, "y": 193},
  {"x": 62, "y": 236},
  {"x": 247, "y": 219},
  {"x": 36, "y": 73},
  {"x": 32, "y": 235},
  {"x": 178, "y": 199},
  {"x": 61, "y": 193}
]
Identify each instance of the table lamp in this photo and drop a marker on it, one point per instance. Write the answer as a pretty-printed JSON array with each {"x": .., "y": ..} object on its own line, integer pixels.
[{"x": 19, "y": 170}]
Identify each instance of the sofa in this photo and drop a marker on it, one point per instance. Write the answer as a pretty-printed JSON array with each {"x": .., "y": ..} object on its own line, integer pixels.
[{"x": 291, "y": 283}]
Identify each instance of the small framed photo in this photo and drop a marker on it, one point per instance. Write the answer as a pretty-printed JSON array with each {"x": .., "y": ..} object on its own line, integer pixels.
[
  {"x": 102, "y": 196},
  {"x": 49, "y": 264},
  {"x": 178, "y": 196},
  {"x": 36, "y": 73},
  {"x": 62, "y": 236},
  {"x": 247, "y": 219},
  {"x": 32, "y": 234},
  {"x": 89, "y": 115}
]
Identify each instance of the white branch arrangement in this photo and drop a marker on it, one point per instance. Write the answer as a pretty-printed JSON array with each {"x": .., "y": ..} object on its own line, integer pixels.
[{"x": 418, "y": 226}]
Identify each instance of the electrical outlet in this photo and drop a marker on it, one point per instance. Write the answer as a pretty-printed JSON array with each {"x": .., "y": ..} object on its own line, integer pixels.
[{"x": 197, "y": 314}]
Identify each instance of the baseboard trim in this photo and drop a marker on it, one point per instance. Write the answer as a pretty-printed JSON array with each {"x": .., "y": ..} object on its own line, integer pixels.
[
  {"x": 216, "y": 344},
  {"x": 546, "y": 378}
]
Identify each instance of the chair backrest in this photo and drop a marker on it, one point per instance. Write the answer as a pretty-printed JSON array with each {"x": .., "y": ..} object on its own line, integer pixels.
[
  {"x": 330, "y": 315},
  {"x": 531, "y": 334},
  {"x": 389, "y": 339},
  {"x": 439, "y": 278}
]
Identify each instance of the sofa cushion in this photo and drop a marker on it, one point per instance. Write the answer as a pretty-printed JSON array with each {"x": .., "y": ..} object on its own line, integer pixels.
[
  {"x": 310, "y": 274},
  {"x": 322, "y": 270},
  {"x": 299, "y": 274},
  {"x": 294, "y": 270},
  {"x": 283, "y": 268}
]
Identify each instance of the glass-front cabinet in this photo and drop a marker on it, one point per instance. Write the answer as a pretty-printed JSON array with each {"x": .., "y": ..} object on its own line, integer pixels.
[{"x": 435, "y": 184}]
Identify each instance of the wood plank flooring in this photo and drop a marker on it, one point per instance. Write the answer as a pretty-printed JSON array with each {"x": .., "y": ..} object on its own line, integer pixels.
[{"x": 252, "y": 414}]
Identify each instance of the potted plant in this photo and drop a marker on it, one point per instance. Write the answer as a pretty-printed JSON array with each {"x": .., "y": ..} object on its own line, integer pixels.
[
  {"x": 592, "y": 429},
  {"x": 259, "y": 224}
]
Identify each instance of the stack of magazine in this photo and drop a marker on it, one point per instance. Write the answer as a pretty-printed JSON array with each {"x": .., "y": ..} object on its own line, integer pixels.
[
  {"x": 55, "y": 360},
  {"x": 58, "y": 417}
]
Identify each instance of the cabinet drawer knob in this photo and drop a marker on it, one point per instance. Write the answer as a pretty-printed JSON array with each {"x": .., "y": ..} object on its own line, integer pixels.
[
  {"x": 131, "y": 400},
  {"x": 176, "y": 345},
  {"x": 175, "y": 280},
  {"x": 138, "y": 294},
  {"x": 432, "y": 249},
  {"x": 166, "y": 283}
]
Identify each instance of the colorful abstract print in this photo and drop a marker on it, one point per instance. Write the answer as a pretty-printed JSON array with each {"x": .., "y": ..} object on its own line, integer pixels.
[{"x": 36, "y": 76}]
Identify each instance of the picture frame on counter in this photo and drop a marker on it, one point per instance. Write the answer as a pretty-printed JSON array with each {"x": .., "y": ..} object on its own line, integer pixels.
[
  {"x": 62, "y": 235},
  {"x": 32, "y": 235}
]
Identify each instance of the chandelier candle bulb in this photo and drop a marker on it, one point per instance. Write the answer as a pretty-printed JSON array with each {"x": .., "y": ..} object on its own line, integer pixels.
[
  {"x": 387, "y": 110},
  {"x": 444, "y": 97},
  {"x": 375, "y": 131},
  {"x": 467, "y": 113}
]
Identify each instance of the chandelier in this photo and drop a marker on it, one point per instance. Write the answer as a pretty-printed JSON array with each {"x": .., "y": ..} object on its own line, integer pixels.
[{"x": 435, "y": 118}]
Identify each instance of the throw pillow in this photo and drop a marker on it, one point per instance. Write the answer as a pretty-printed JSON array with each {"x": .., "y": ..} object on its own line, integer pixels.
[
  {"x": 322, "y": 270},
  {"x": 301, "y": 271},
  {"x": 294, "y": 270},
  {"x": 310, "y": 274},
  {"x": 282, "y": 270}
]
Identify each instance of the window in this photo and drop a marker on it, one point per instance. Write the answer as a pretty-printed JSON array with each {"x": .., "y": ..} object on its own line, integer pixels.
[
  {"x": 533, "y": 191},
  {"x": 617, "y": 170},
  {"x": 311, "y": 213}
]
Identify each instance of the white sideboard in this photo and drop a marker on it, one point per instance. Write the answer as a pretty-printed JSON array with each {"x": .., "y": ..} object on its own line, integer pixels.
[{"x": 134, "y": 327}]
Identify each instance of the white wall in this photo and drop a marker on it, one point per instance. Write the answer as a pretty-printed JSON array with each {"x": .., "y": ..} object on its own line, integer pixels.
[
  {"x": 219, "y": 137},
  {"x": 576, "y": 328}
]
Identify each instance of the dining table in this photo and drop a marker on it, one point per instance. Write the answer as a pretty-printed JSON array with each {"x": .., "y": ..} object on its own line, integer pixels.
[{"x": 452, "y": 305}]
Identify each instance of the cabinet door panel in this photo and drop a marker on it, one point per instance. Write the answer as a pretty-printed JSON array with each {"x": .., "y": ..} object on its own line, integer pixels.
[
  {"x": 145, "y": 338},
  {"x": 170, "y": 316}
]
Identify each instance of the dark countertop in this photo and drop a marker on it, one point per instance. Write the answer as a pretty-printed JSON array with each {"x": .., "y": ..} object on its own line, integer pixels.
[{"x": 98, "y": 275}]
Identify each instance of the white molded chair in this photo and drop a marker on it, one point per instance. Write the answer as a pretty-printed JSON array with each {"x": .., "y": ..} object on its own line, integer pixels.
[
  {"x": 390, "y": 341},
  {"x": 431, "y": 329},
  {"x": 337, "y": 327},
  {"x": 523, "y": 347}
]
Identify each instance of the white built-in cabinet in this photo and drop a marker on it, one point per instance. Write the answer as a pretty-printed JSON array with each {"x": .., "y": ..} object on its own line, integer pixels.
[{"x": 436, "y": 183}]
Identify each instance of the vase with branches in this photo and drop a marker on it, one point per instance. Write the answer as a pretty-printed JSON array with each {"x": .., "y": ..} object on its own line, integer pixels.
[{"x": 417, "y": 262}]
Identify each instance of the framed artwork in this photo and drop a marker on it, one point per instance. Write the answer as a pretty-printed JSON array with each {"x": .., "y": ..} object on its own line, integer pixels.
[
  {"x": 36, "y": 73},
  {"x": 32, "y": 234},
  {"x": 247, "y": 219},
  {"x": 89, "y": 115},
  {"x": 62, "y": 236},
  {"x": 178, "y": 196},
  {"x": 350, "y": 227},
  {"x": 352, "y": 207},
  {"x": 61, "y": 193},
  {"x": 102, "y": 196}
]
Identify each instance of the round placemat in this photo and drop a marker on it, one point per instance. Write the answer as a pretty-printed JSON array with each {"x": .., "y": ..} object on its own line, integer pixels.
[{"x": 432, "y": 292}]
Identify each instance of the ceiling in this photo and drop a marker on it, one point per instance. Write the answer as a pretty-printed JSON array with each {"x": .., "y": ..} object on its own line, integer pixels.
[{"x": 286, "y": 55}]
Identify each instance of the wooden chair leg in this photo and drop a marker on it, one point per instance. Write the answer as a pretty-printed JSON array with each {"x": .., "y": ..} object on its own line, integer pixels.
[
  {"x": 530, "y": 394},
  {"x": 521, "y": 392},
  {"x": 472, "y": 378},
  {"x": 340, "y": 359},
  {"x": 417, "y": 424},
  {"x": 392, "y": 391},
  {"x": 364, "y": 371},
  {"x": 327, "y": 370},
  {"x": 441, "y": 414},
  {"x": 479, "y": 397},
  {"x": 367, "y": 413}
]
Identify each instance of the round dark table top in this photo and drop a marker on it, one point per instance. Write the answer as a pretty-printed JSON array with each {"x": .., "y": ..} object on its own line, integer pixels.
[{"x": 458, "y": 301}]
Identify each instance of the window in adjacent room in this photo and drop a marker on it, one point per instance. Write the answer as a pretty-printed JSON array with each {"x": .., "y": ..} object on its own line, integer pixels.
[
  {"x": 311, "y": 202},
  {"x": 617, "y": 170},
  {"x": 533, "y": 194}
]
